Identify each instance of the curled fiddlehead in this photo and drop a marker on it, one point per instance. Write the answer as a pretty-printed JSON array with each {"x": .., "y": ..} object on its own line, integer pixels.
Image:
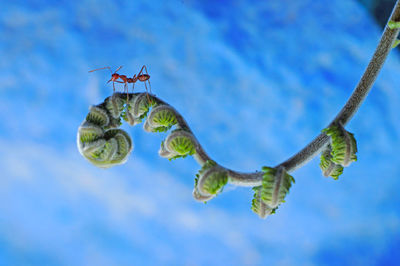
[
  {"x": 209, "y": 181},
  {"x": 99, "y": 140},
  {"x": 103, "y": 144},
  {"x": 275, "y": 185},
  {"x": 179, "y": 143}
]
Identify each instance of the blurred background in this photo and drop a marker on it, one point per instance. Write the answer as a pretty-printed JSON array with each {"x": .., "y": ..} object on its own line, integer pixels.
[{"x": 255, "y": 80}]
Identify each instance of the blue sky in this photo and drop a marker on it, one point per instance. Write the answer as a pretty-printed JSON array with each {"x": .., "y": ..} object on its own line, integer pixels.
[{"x": 255, "y": 81}]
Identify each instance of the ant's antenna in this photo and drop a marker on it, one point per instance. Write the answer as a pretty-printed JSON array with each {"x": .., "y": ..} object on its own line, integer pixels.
[{"x": 105, "y": 68}]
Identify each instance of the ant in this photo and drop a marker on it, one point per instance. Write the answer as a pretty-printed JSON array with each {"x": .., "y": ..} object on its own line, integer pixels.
[{"x": 143, "y": 77}]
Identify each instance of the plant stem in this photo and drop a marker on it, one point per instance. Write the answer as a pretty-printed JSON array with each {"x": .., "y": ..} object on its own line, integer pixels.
[
  {"x": 316, "y": 146},
  {"x": 361, "y": 91}
]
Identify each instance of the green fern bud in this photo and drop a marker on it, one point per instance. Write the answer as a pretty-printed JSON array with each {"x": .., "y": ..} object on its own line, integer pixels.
[
  {"x": 107, "y": 149},
  {"x": 328, "y": 167},
  {"x": 93, "y": 147},
  {"x": 215, "y": 180},
  {"x": 103, "y": 153},
  {"x": 160, "y": 119},
  {"x": 98, "y": 116},
  {"x": 343, "y": 144},
  {"x": 100, "y": 152},
  {"x": 396, "y": 43},
  {"x": 210, "y": 180},
  {"x": 124, "y": 142},
  {"x": 138, "y": 106},
  {"x": 199, "y": 197},
  {"x": 258, "y": 206},
  {"x": 275, "y": 185},
  {"x": 89, "y": 132},
  {"x": 394, "y": 24},
  {"x": 115, "y": 105},
  {"x": 179, "y": 143},
  {"x": 128, "y": 117}
]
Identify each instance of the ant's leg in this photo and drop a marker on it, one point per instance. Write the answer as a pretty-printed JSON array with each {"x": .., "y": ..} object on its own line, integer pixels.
[
  {"x": 127, "y": 92},
  {"x": 147, "y": 93},
  {"x": 113, "y": 87},
  {"x": 145, "y": 69},
  {"x": 117, "y": 82},
  {"x": 149, "y": 85},
  {"x": 141, "y": 70}
]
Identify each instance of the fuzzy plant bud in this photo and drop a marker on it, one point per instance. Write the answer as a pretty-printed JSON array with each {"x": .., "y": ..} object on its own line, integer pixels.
[
  {"x": 209, "y": 181},
  {"x": 393, "y": 24},
  {"x": 179, "y": 143},
  {"x": 115, "y": 105},
  {"x": 98, "y": 141},
  {"x": 199, "y": 197},
  {"x": 343, "y": 145},
  {"x": 109, "y": 150},
  {"x": 138, "y": 107},
  {"x": 98, "y": 116},
  {"x": 275, "y": 185},
  {"x": 89, "y": 132},
  {"x": 258, "y": 206},
  {"x": 328, "y": 167},
  {"x": 124, "y": 142},
  {"x": 160, "y": 119}
]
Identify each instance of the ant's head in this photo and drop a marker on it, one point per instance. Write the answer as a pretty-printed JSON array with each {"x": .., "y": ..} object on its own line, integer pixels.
[{"x": 114, "y": 77}]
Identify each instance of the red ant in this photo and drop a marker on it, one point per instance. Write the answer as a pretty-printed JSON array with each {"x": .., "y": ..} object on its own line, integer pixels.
[{"x": 140, "y": 76}]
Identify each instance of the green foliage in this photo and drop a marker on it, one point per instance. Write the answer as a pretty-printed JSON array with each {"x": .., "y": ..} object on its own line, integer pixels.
[
  {"x": 160, "y": 119},
  {"x": 104, "y": 145},
  {"x": 138, "y": 107},
  {"x": 396, "y": 43},
  {"x": 97, "y": 116},
  {"x": 89, "y": 132},
  {"x": 179, "y": 144},
  {"x": 275, "y": 185},
  {"x": 165, "y": 117},
  {"x": 394, "y": 24},
  {"x": 215, "y": 182},
  {"x": 99, "y": 139},
  {"x": 182, "y": 145},
  {"x": 206, "y": 166},
  {"x": 328, "y": 167},
  {"x": 115, "y": 105},
  {"x": 105, "y": 152},
  {"x": 211, "y": 177},
  {"x": 343, "y": 144}
]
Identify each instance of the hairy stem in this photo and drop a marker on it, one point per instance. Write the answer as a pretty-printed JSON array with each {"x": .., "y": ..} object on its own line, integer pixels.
[
  {"x": 359, "y": 94},
  {"x": 361, "y": 91},
  {"x": 316, "y": 146}
]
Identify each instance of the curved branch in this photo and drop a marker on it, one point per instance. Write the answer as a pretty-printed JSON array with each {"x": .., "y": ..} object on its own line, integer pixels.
[
  {"x": 356, "y": 99},
  {"x": 88, "y": 131},
  {"x": 349, "y": 109}
]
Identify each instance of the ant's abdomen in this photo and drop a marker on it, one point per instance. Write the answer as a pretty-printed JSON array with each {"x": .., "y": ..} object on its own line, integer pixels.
[{"x": 143, "y": 77}]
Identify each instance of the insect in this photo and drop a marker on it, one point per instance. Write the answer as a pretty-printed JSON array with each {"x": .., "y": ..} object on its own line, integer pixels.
[{"x": 141, "y": 76}]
